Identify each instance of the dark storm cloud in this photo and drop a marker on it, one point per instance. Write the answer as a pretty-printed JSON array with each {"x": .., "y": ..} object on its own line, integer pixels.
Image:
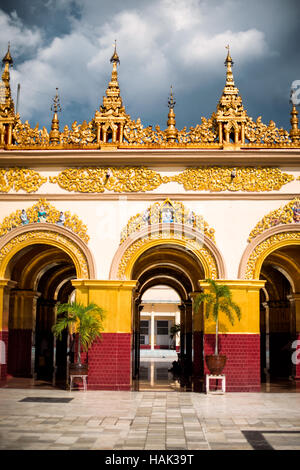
[{"x": 68, "y": 43}]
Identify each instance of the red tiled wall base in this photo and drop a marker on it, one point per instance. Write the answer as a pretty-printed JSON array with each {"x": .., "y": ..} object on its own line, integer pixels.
[
  {"x": 109, "y": 362},
  {"x": 297, "y": 354},
  {"x": 3, "y": 367},
  {"x": 242, "y": 367},
  {"x": 198, "y": 353},
  {"x": 19, "y": 360}
]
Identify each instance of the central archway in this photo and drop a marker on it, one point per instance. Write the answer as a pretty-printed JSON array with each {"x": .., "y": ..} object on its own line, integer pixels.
[{"x": 177, "y": 256}]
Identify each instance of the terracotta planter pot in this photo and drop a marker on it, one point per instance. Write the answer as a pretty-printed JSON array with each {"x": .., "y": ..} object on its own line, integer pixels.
[
  {"x": 78, "y": 369},
  {"x": 215, "y": 364}
]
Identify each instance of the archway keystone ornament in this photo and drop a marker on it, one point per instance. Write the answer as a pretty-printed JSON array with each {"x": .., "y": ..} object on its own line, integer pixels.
[
  {"x": 42, "y": 211},
  {"x": 170, "y": 212}
]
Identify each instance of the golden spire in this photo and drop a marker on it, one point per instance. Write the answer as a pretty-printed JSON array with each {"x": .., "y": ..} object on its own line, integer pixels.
[
  {"x": 113, "y": 101},
  {"x": 6, "y": 103},
  {"x": 295, "y": 131},
  {"x": 55, "y": 107},
  {"x": 171, "y": 130},
  {"x": 115, "y": 57},
  {"x": 230, "y": 115}
]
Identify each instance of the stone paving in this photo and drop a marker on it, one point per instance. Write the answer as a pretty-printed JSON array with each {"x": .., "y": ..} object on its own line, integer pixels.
[{"x": 146, "y": 420}]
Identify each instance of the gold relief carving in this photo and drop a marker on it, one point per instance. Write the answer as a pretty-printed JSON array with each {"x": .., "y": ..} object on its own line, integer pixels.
[
  {"x": 134, "y": 179},
  {"x": 79, "y": 134},
  {"x": 178, "y": 214},
  {"x": 258, "y": 252},
  {"x": 288, "y": 214},
  {"x": 53, "y": 215},
  {"x": 25, "y": 135},
  {"x": 258, "y": 132},
  {"x": 191, "y": 244},
  {"x": 37, "y": 236},
  {"x": 20, "y": 178},
  {"x": 232, "y": 179},
  {"x": 96, "y": 180}
]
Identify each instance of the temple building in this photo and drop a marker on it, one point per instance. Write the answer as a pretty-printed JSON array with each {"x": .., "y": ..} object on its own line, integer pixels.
[{"x": 136, "y": 219}]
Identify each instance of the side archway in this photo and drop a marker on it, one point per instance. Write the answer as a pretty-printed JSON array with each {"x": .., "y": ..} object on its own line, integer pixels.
[
  {"x": 44, "y": 233},
  {"x": 263, "y": 245}
]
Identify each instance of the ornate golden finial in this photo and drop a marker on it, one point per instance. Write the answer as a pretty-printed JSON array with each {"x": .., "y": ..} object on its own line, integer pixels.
[
  {"x": 228, "y": 64},
  {"x": 295, "y": 131},
  {"x": 171, "y": 131},
  {"x": 115, "y": 58},
  {"x": 171, "y": 101},
  {"x": 55, "y": 108},
  {"x": 7, "y": 58}
]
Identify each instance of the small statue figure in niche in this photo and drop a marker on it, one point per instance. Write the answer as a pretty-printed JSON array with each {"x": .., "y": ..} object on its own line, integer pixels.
[
  {"x": 167, "y": 216},
  {"x": 296, "y": 212},
  {"x": 42, "y": 216},
  {"x": 191, "y": 218},
  {"x": 146, "y": 217},
  {"x": 61, "y": 220},
  {"x": 24, "y": 217}
]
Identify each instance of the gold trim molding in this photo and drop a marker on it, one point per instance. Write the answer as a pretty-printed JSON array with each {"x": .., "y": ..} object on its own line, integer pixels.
[
  {"x": 15, "y": 244},
  {"x": 164, "y": 237},
  {"x": 71, "y": 222},
  {"x": 266, "y": 247},
  {"x": 288, "y": 214},
  {"x": 20, "y": 178},
  {"x": 142, "y": 179}
]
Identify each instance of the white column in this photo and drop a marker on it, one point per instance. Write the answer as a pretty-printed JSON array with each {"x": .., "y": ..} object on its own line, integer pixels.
[{"x": 152, "y": 330}]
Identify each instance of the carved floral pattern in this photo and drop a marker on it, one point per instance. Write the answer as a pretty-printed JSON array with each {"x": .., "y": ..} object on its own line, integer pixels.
[
  {"x": 20, "y": 178},
  {"x": 96, "y": 180},
  {"x": 134, "y": 179},
  {"x": 232, "y": 179}
]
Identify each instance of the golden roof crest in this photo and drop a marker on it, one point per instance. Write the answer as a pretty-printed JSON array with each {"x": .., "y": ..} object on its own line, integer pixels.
[{"x": 228, "y": 127}]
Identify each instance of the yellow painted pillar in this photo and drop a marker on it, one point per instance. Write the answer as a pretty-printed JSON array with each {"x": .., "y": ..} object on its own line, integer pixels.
[
  {"x": 239, "y": 342},
  {"x": 110, "y": 358}
]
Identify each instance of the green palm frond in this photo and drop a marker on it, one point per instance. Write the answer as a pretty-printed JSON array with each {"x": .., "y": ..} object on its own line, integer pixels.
[
  {"x": 219, "y": 299},
  {"x": 88, "y": 319}
]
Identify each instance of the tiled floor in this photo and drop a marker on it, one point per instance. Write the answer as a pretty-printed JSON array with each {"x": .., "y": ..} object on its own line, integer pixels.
[{"x": 147, "y": 420}]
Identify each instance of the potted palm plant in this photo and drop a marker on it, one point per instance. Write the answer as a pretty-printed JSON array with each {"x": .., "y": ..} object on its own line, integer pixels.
[
  {"x": 218, "y": 300},
  {"x": 87, "y": 321}
]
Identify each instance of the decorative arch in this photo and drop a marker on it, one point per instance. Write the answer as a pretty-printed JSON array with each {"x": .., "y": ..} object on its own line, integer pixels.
[
  {"x": 264, "y": 244},
  {"x": 181, "y": 236},
  {"x": 56, "y": 236}
]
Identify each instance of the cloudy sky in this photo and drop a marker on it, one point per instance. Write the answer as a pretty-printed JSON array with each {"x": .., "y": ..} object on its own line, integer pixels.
[{"x": 68, "y": 44}]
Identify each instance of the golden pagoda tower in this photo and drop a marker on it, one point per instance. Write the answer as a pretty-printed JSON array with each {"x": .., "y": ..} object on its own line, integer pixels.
[
  {"x": 230, "y": 115},
  {"x": 111, "y": 118},
  {"x": 7, "y": 108}
]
